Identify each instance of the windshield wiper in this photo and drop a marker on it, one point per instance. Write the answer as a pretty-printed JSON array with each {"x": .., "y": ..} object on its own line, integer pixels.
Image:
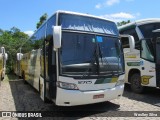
[
  {"x": 94, "y": 62},
  {"x": 103, "y": 59},
  {"x": 97, "y": 57}
]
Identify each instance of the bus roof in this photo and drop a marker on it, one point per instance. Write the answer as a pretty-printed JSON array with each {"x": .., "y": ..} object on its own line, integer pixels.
[
  {"x": 139, "y": 22},
  {"x": 72, "y": 13}
]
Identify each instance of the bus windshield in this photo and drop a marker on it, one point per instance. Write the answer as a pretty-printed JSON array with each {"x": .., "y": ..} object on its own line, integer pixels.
[
  {"x": 147, "y": 29},
  {"x": 147, "y": 32},
  {"x": 88, "y": 54}
]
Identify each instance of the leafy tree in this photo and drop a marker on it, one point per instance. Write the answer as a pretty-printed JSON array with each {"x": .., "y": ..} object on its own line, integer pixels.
[
  {"x": 123, "y": 23},
  {"x": 42, "y": 19},
  {"x": 12, "y": 40}
]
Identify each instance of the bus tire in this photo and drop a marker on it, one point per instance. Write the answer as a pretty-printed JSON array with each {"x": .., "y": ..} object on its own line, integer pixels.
[
  {"x": 136, "y": 83},
  {"x": 2, "y": 77},
  {"x": 23, "y": 77}
]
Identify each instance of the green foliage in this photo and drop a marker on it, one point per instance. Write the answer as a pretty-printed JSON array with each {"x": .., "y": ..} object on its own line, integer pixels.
[
  {"x": 12, "y": 40},
  {"x": 123, "y": 23},
  {"x": 42, "y": 19}
]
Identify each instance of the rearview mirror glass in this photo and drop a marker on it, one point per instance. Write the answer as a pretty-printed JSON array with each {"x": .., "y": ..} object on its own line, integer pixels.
[{"x": 57, "y": 33}]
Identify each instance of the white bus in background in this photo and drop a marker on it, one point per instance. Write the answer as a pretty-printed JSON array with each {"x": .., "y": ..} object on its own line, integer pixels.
[
  {"x": 3, "y": 58},
  {"x": 76, "y": 59},
  {"x": 143, "y": 63}
]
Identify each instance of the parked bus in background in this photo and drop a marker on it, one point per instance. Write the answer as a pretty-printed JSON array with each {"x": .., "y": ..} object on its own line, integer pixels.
[
  {"x": 3, "y": 58},
  {"x": 76, "y": 59},
  {"x": 17, "y": 65},
  {"x": 143, "y": 63}
]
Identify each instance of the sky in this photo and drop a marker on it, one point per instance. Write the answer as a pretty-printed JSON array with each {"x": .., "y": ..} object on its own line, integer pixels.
[{"x": 24, "y": 14}]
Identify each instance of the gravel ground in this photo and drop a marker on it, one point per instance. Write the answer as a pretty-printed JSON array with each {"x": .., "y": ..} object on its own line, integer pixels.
[{"x": 17, "y": 96}]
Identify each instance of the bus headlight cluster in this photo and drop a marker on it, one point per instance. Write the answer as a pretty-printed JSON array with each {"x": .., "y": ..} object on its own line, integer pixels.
[
  {"x": 120, "y": 82},
  {"x": 69, "y": 86}
]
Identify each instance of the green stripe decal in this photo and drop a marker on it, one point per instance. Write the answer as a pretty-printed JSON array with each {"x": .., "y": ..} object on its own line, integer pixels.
[
  {"x": 133, "y": 63},
  {"x": 106, "y": 80}
]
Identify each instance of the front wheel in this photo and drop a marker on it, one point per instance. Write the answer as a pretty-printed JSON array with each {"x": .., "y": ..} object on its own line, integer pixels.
[
  {"x": 2, "y": 76},
  {"x": 136, "y": 83}
]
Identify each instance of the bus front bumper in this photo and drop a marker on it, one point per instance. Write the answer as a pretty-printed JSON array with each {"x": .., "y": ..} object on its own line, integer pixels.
[{"x": 76, "y": 97}]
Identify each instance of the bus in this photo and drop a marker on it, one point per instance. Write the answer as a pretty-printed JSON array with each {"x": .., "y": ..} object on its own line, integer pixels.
[
  {"x": 75, "y": 59},
  {"x": 142, "y": 64},
  {"x": 17, "y": 65},
  {"x": 3, "y": 58}
]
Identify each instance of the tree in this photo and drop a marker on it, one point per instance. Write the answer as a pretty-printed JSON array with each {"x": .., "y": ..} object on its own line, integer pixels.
[
  {"x": 12, "y": 40},
  {"x": 123, "y": 23},
  {"x": 42, "y": 19}
]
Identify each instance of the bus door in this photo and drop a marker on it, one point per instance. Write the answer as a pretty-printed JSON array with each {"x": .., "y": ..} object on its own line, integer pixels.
[
  {"x": 51, "y": 70},
  {"x": 158, "y": 62}
]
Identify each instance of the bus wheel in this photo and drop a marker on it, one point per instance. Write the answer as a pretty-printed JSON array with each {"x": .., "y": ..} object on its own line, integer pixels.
[
  {"x": 2, "y": 77},
  {"x": 23, "y": 77},
  {"x": 136, "y": 83}
]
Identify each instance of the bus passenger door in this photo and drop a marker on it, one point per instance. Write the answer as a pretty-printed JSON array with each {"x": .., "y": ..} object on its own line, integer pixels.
[{"x": 51, "y": 68}]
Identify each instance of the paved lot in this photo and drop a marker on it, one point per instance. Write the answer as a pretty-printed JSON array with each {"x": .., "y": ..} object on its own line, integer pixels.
[{"x": 17, "y": 96}]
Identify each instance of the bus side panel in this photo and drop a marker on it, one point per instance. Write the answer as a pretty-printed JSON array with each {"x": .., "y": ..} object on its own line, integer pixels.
[
  {"x": 31, "y": 68},
  {"x": 148, "y": 75},
  {"x": 34, "y": 70}
]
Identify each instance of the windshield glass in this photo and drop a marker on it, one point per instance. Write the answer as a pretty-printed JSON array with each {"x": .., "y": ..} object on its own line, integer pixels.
[
  {"x": 147, "y": 29},
  {"x": 147, "y": 32},
  {"x": 88, "y": 54}
]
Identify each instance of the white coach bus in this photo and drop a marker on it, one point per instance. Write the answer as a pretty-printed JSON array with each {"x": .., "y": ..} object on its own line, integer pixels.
[
  {"x": 143, "y": 63},
  {"x": 76, "y": 59}
]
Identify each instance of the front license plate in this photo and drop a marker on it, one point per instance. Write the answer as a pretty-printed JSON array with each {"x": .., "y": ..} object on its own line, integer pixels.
[{"x": 98, "y": 96}]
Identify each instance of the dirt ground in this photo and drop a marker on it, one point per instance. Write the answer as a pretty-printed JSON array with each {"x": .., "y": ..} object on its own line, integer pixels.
[{"x": 17, "y": 96}]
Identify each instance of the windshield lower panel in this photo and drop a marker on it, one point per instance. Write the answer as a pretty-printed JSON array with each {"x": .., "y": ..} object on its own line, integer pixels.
[{"x": 87, "y": 55}]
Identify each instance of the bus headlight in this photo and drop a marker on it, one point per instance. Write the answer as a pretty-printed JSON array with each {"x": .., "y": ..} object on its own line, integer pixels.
[
  {"x": 69, "y": 86},
  {"x": 120, "y": 82}
]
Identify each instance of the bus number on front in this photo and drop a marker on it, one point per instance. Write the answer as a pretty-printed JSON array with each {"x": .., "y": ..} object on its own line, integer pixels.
[{"x": 84, "y": 82}]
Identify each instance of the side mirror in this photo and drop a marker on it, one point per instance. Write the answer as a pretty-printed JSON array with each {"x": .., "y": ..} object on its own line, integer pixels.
[
  {"x": 156, "y": 35},
  {"x": 128, "y": 41},
  {"x": 155, "y": 31},
  {"x": 6, "y": 56},
  {"x": 131, "y": 42},
  {"x": 19, "y": 56},
  {"x": 3, "y": 50},
  {"x": 57, "y": 34}
]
